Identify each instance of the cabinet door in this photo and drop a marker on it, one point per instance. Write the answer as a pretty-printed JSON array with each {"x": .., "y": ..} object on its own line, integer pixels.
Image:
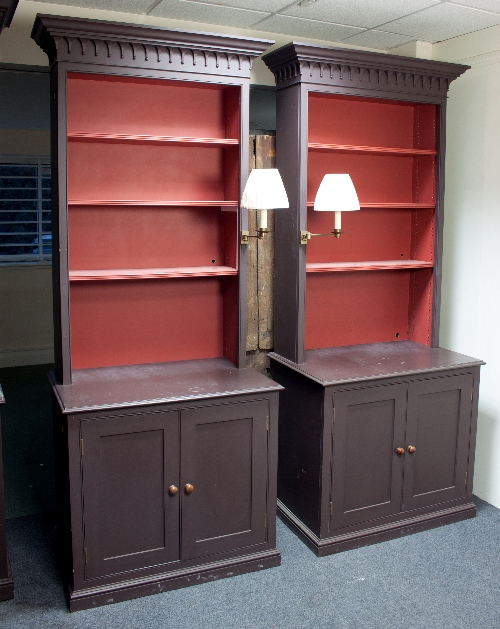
[
  {"x": 439, "y": 416},
  {"x": 130, "y": 519},
  {"x": 224, "y": 457},
  {"x": 367, "y": 473}
]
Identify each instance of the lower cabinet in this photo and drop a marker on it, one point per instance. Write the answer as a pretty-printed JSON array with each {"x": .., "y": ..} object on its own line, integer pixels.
[
  {"x": 173, "y": 485},
  {"x": 399, "y": 447},
  {"x": 166, "y": 495},
  {"x": 374, "y": 458}
]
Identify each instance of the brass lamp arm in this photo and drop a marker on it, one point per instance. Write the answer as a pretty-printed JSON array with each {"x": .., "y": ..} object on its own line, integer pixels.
[{"x": 305, "y": 235}]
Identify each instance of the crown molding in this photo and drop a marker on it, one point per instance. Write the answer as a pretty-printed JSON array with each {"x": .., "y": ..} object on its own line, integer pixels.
[
  {"x": 305, "y": 63},
  {"x": 117, "y": 44},
  {"x": 7, "y": 10}
]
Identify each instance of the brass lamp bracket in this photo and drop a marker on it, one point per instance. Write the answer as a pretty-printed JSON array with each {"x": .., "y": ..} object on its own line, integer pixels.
[
  {"x": 245, "y": 235},
  {"x": 305, "y": 235}
]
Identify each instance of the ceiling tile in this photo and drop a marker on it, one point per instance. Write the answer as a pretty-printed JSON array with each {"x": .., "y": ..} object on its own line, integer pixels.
[
  {"x": 123, "y": 6},
  {"x": 255, "y": 5},
  {"x": 365, "y": 13},
  {"x": 306, "y": 28},
  {"x": 487, "y": 5},
  {"x": 443, "y": 22},
  {"x": 379, "y": 39},
  {"x": 207, "y": 13}
]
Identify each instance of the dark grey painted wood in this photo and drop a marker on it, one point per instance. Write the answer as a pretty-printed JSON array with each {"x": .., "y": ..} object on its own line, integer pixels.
[
  {"x": 130, "y": 519},
  {"x": 81, "y": 45},
  {"x": 130, "y": 466},
  {"x": 125, "y": 434},
  {"x": 355, "y": 69},
  {"x": 157, "y": 383},
  {"x": 300, "y": 436},
  {"x": 224, "y": 456},
  {"x": 339, "y": 436},
  {"x": 6, "y": 583},
  {"x": 302, "y": 68},
  {"x": 367, "y": 473},
  {"x": 438, "y": 425},
  {"x": 7, "y": 10},
  {"x": 335, "y": 365}
]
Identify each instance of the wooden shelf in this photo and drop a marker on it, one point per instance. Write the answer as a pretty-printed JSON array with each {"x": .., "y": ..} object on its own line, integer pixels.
[
  {"x": 377, "y": 265},
  {"x": 101, "y": 202},
  {"x": 392, "y": 206},
  {"x": 150, "y": 139},
  {"x": 143, "y": 274},
  {"x": 373, "y": 150}
]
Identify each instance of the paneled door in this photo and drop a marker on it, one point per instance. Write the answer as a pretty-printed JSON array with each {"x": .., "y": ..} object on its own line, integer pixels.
[
  {"x": 437, "y": 440},
  {"x": 224, "y": 474},
  {"x": 131, "y": 520},
  {"x": 367, "y": 471}
]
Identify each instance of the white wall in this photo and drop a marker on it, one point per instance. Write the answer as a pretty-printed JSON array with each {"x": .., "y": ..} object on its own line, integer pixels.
[{"x": 470, "y": 315}]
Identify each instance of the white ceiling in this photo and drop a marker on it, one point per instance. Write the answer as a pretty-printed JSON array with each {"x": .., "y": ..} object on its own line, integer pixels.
[{"x": 382, "y": 24}]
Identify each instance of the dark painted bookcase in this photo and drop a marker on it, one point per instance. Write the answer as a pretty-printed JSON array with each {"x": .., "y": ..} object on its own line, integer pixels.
[
  {"x": 377, "y": 423},
  {"x": 166, "y": 444},
  {"x": 6, "y": 582}
]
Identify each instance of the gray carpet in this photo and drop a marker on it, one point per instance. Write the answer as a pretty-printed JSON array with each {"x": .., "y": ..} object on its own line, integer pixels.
[{"x": 447, "y": 578}]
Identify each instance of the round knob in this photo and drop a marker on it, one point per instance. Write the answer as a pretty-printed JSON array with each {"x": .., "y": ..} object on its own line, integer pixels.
[
  {"x": 400, "y": 451},
  {"x": 172, "y": 490},
  {"x": 188, "y": 488},
  {"x": 412, "y": 449}
]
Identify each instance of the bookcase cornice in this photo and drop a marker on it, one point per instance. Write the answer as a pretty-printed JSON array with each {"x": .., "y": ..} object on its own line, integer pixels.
[
  {"x": 343, "y": 67},
  {"x": 117, "y": 44}
]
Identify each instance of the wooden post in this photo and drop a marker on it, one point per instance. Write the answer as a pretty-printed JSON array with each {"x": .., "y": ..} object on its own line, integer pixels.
[{"x": 261, "y": 269}]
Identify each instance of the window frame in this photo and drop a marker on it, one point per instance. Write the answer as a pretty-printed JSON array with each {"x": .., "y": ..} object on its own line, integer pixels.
[{"x": 40, "y": 258}]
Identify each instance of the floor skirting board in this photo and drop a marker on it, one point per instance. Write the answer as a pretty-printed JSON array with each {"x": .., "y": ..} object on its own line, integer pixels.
[{"x": 26, "y": 356}]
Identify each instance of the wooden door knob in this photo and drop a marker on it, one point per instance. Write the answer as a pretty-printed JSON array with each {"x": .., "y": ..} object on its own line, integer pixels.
[
  {"x": 400, "y": 451},
  {"x": 412, "y": 449},
  {"x": 188, "y": 488},
  {"x": 172, "y": 490}
]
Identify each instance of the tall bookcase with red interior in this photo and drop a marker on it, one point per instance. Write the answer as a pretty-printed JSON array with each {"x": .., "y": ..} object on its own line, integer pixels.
[
  {"x": 377, "y": 423},
  {"x": 166, "y": 445}
]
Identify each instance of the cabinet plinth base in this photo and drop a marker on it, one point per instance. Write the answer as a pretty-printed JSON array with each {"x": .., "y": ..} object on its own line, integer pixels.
[
  {"x": 126, "y": 590},
  {"x": 6, "y": 588},
  {"x": 381, "y": 533}
]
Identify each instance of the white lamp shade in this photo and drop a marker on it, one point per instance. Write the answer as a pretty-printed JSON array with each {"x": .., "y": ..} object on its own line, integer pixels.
[
  {"x": 336, "y": 193},
  {"x": 264, "y": 190}
]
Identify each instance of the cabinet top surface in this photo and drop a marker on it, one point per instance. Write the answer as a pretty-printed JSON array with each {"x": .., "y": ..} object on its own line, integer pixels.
[
  {"x": 334, "y": 365},
  {"x": 155, "y": 383}
]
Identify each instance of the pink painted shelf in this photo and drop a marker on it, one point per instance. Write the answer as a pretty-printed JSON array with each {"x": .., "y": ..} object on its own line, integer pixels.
[
  {"x": 150, "y": 139},
  {"x": 376, "y": 265},
  {"x": 141, "y": 274},
  {"x": 161, "y": 203},
  {"x": 374, "y": 150},
  {"x": 393, "y": 206}
]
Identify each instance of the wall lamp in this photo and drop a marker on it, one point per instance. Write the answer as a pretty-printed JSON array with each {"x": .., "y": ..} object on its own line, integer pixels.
[
  {"x": 336, "y": 193},
  {"x": 264, "y": 191}
]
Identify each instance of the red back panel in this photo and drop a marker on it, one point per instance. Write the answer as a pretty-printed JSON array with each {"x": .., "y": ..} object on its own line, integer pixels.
[
  {"x": 129, "y": 105},
  {"x": 377, "y": 178},
  {"x": 145, "y": 321},
  {"x": 354, "y": 308},
  {"x": 145, "y": 237},
  {"x": 420, "y": 323},
  {"x": 370, "y": 234},
  {"x": 358, "y": 121},
  {"x": 139, "y": 172}
]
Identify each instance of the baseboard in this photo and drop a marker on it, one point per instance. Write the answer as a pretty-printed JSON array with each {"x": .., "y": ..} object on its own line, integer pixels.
[
  {"x": 29, "y": 356},
  {"x": 381, "y": 533},
  {"x": 127, "y": 590}
]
